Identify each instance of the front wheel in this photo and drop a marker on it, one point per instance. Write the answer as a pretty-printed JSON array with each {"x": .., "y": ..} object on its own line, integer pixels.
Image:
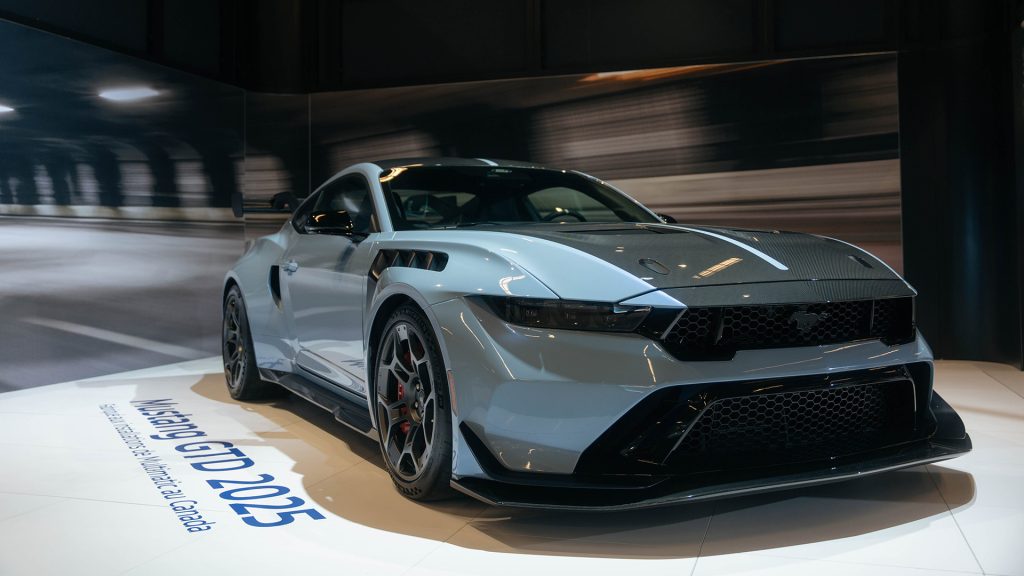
[
  {"x": 240, "y": 371},
  {"x": 413, "y": 413}
]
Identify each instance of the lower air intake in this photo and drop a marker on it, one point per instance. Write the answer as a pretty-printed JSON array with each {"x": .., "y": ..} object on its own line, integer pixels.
[
  {"x": 796, "y": 426},
  {"x": 761, "y": 423}
]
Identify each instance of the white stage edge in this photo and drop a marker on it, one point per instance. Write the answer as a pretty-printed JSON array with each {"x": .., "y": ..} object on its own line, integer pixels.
[{"x": 85, "y": 489}]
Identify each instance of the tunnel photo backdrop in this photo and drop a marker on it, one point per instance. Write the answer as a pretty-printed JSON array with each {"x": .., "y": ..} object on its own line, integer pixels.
[
  {"x": 116, "y": 228},
  {"x": 127, "y": 189},
  {"x": 805, "y": 145}
]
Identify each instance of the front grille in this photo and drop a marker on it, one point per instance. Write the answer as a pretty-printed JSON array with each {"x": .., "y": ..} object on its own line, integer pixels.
[
  {"x": 764, "y": 423},
  {"x": 730, "y": 328}
]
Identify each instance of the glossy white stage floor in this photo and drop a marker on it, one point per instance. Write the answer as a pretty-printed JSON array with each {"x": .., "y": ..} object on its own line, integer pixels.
[{"x": 75, "y": 499}]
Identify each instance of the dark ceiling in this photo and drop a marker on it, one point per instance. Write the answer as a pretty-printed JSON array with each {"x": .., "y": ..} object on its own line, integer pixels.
[{"x": 298, "y": 46}]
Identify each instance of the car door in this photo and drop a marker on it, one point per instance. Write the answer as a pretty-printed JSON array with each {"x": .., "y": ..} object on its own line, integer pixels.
[{"x": 324, "y": 276}]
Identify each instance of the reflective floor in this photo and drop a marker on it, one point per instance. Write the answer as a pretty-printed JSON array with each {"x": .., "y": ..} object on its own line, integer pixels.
[{"x": 76, "y": 499}]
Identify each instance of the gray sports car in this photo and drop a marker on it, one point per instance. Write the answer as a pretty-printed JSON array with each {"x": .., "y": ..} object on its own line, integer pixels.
[{"x": 534, "y": 337}]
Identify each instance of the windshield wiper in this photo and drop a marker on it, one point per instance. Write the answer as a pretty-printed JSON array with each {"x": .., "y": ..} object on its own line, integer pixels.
[{"x": 471, "y": 224}]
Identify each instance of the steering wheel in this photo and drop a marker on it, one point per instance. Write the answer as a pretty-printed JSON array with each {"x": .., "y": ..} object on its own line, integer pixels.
[{"x": 561, "y": 213}]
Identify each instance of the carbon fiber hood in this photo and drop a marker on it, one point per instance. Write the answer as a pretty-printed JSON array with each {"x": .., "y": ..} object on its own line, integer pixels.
[{"x": 682, "y": 256}]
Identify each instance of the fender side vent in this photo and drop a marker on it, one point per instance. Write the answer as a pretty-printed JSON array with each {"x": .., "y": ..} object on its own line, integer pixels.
[
  {"x": 275, "y": 284},
  {"x": 422, "y": 259}
]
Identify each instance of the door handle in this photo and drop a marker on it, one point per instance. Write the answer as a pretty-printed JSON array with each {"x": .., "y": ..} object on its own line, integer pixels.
[{"x": 290, "y": 266}]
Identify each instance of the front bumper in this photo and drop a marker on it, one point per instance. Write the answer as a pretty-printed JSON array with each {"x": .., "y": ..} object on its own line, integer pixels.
[
  {"x": 539, "y": 398},
  {"x": 635, "y": 492},
  {"x": 530, "y": 404}
]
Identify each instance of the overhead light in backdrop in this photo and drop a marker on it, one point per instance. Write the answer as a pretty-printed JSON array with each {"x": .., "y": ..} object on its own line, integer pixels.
[{"x": 128, "y": 94}]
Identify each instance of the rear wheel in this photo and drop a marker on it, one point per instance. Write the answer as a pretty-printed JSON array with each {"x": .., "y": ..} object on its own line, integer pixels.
[
  {"x": 413, "y": 415},
  {"x": 243, "y": 378}
]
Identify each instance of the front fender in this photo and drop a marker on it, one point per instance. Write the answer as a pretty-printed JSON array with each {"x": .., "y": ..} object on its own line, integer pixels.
[
  {"x": 468, "y": 269},
  {"x": 379, "y": 308}
]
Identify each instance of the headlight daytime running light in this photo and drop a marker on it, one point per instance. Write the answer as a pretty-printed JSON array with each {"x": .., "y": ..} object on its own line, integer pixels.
[{"x": 567, "y": 314}]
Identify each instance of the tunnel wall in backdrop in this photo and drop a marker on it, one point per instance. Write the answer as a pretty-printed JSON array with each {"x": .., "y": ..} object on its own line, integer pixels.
[
  {"x": 116, "y": 225},
  {"x": 69, "y": 147},
  {"x": 809, "y": 145}
]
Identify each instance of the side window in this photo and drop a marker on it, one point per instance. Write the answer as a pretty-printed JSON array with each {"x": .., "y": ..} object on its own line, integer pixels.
[{"x": 351, "y": 194}]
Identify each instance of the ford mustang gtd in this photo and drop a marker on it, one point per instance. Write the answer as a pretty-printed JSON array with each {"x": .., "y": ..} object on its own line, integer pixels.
[{"x": 534, "y": 337}]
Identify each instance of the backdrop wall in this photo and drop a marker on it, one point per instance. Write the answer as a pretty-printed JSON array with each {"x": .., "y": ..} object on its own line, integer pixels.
[{"x": 119, "y": 217}]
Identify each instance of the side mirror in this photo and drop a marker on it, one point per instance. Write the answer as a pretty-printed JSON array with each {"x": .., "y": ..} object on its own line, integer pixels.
[
  {"x": 284, "y": 202},
  {"x": 337, "y": 223},
  {"x": 667, "y": 219}
]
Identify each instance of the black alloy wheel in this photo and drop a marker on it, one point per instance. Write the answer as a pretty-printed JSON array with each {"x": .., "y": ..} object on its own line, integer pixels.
[
  {"x": 240, "y": 371},
  {"x": 413, "y": 415}
]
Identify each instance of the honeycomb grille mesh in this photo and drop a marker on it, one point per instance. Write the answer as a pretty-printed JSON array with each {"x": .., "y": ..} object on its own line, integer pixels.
[
  {"x": 780, "y": 326},
  {"x": 888, "y": 316},
  {"x": 792, "y": 426},
  {"x": 802, "y": 420}
]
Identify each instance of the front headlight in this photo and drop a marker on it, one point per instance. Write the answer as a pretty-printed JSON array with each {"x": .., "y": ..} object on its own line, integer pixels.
[{"x": 567, "y": 314}]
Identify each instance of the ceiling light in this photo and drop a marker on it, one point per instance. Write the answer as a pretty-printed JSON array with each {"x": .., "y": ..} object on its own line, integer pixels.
[
  {"x": 128, "y": 94},
  {"x": 5, "y": 109}
]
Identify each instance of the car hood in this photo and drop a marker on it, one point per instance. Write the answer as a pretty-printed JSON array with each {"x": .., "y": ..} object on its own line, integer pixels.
[
  {"x": 678, "y": 256},
  {"x": 670, "y": 256},
  {"x": 617, "y": 262}
]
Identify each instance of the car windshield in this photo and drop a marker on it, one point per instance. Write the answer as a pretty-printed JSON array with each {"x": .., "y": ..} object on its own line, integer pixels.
[{"x": 459, "y": 196}]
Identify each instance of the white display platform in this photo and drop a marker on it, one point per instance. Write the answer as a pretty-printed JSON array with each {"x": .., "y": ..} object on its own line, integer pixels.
[{"x": 76, "y": 500}]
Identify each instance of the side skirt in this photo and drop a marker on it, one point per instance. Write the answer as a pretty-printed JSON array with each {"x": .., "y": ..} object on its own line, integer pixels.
[{"x": 347, "y": 408}]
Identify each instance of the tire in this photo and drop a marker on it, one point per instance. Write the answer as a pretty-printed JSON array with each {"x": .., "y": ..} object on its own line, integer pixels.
[
  {"x": 240, "y": 371},
  {"x": 414, "y": 419}
]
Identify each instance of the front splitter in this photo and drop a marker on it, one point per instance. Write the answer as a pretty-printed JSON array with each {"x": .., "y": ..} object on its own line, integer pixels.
[{"x": 670, "y": 491}]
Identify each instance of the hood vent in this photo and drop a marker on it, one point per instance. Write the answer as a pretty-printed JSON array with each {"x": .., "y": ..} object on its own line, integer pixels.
[{"x": 860, "y": 261}]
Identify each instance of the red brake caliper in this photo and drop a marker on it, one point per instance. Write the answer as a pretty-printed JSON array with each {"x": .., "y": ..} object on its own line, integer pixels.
[{"x": 404, "y": 426}]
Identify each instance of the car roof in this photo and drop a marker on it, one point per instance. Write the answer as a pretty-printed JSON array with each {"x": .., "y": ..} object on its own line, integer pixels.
[{"x": 442, "y": 161}]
